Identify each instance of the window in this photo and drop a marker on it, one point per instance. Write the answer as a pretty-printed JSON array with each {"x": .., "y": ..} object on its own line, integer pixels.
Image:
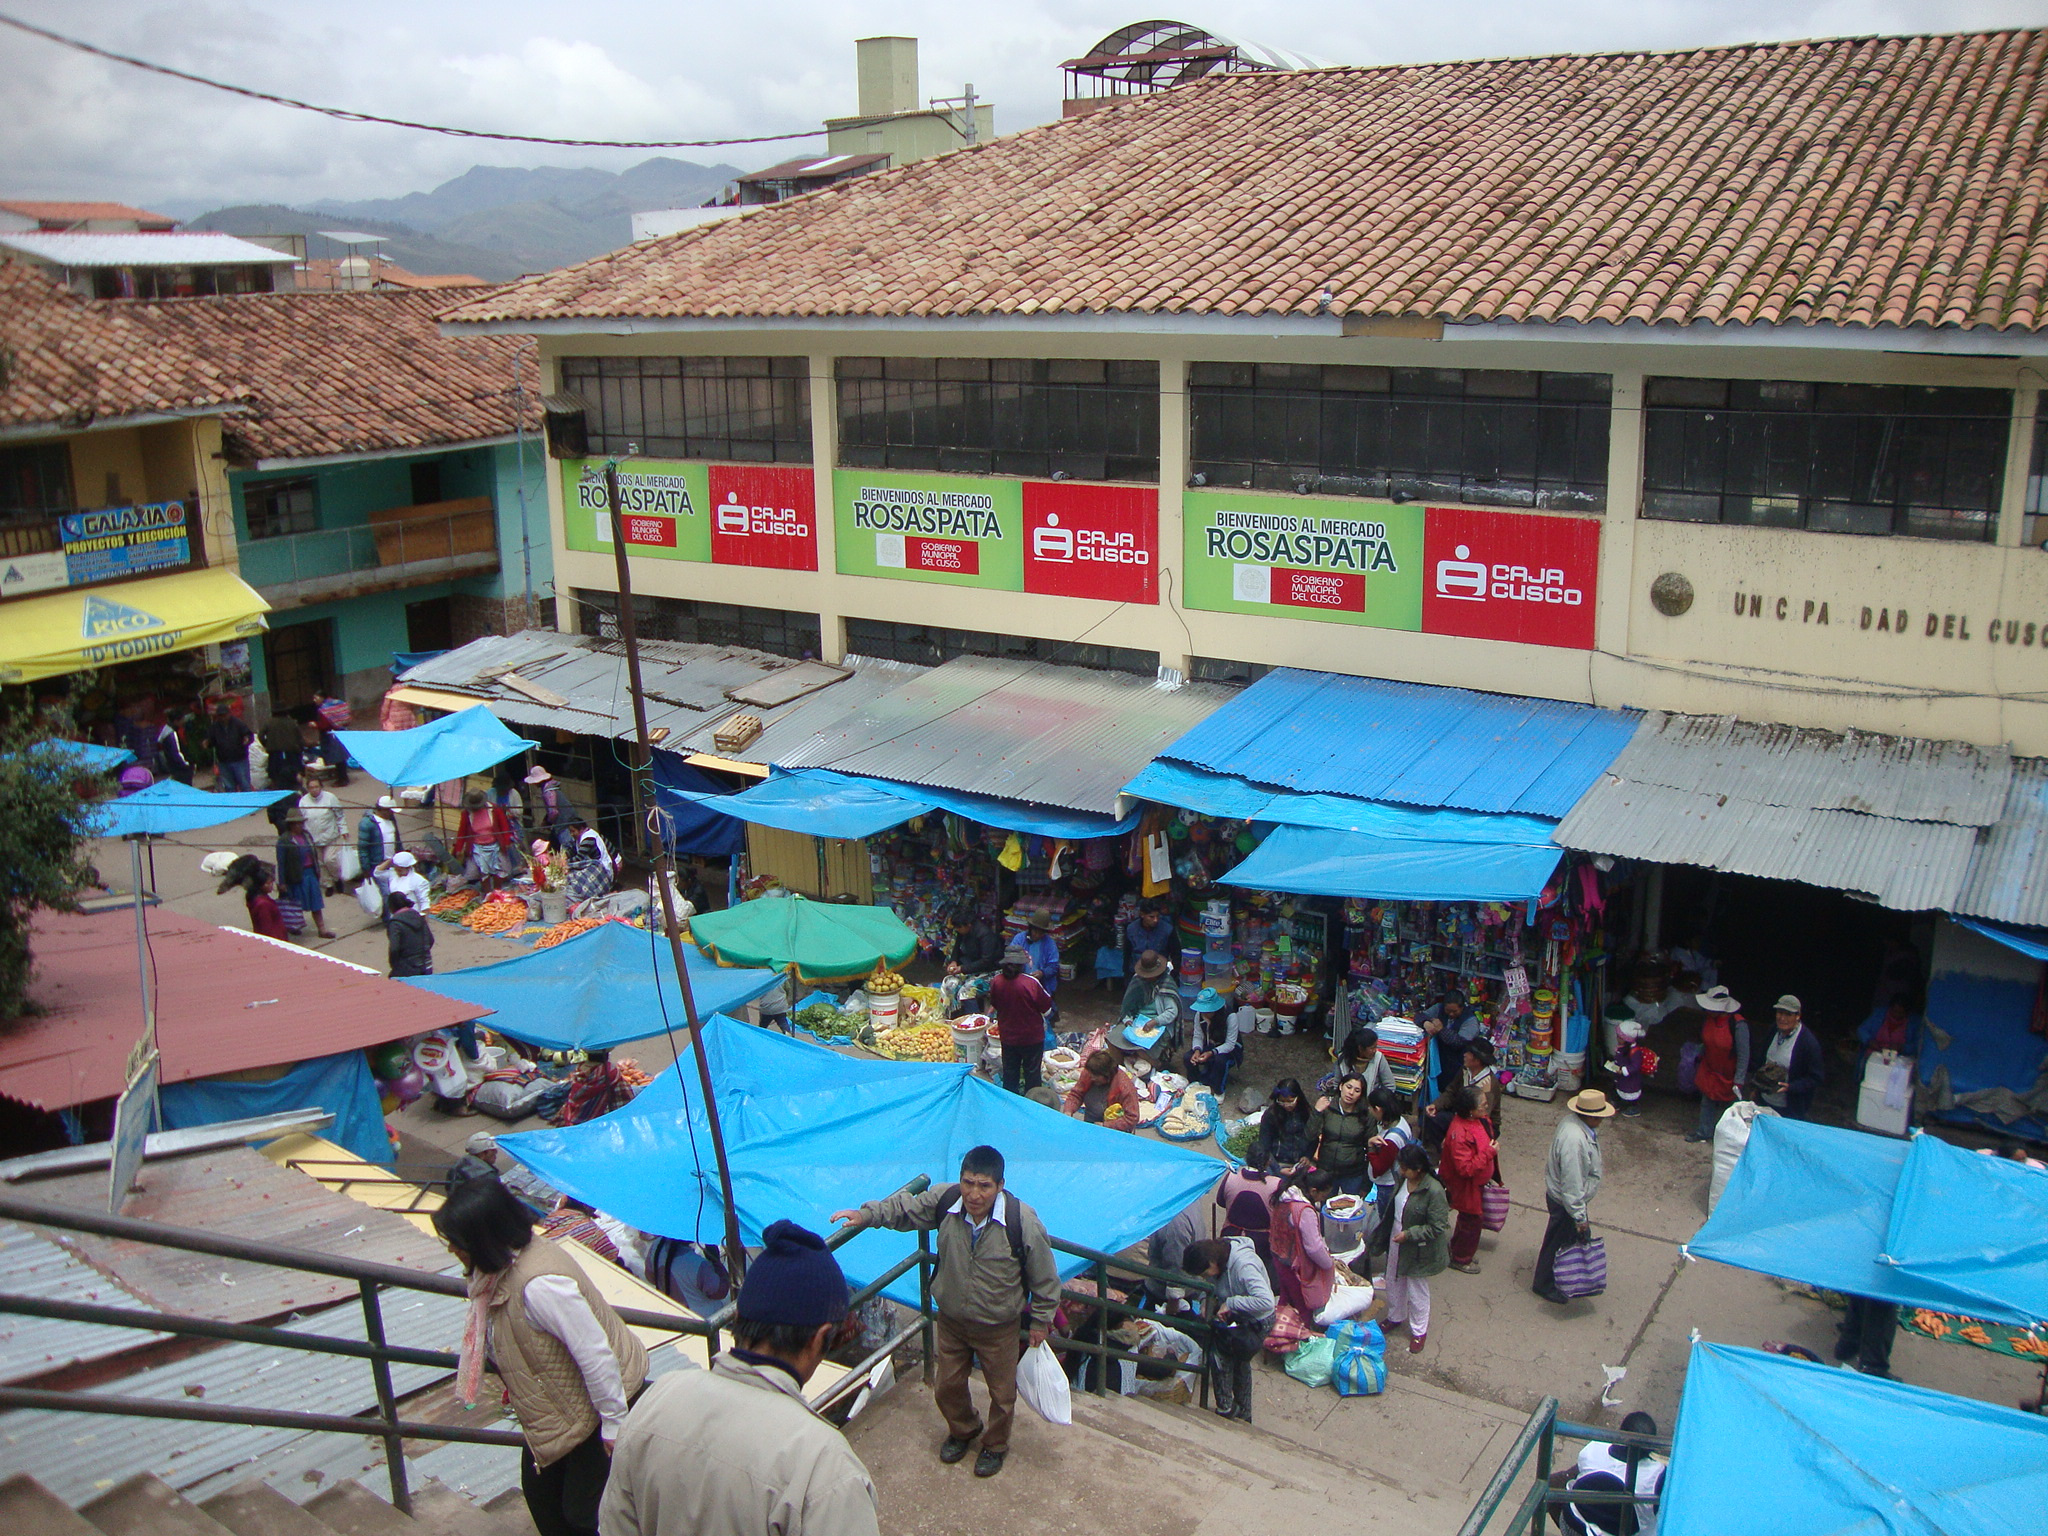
[
  {"x": 685, "y": 619},
  {"x": 979, "y": 416},
  {"x": 2037, "y": 470},
  {"x": 280, "y": 507},
  {"x": 1831, "y": 458},
  {"x": 928, "y": 646},
  {"x": 35, "y": 480},
  {"x": 750, "y": 410},
  {"x": 1214, "y": 669},
  {"x": 425, "y": 475},
  {"x": 1485, "y": 437}
]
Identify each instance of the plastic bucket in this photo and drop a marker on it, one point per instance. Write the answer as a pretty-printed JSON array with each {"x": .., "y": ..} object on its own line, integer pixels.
[
  {"x": 554, "y": 907},
  {"x": 1264, "y": 1020},
  {"x": 1568, "y": 1070},
  {"x": 883, "y": 1008},
  {"x": 970, "y": 1037},
  {"x": 1344, "y": 1219}
]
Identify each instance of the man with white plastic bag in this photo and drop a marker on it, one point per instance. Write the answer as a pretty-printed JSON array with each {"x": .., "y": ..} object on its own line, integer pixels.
[{"x": 995, "y": 1279}]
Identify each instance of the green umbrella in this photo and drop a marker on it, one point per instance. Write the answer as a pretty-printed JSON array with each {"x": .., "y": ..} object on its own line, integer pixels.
[{"x": 823, "y": 940}]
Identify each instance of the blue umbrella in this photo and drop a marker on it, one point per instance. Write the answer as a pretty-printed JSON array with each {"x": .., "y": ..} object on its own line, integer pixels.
[
  {"x": 465, "y": 742},
  {"x": 169, "y": 807}
]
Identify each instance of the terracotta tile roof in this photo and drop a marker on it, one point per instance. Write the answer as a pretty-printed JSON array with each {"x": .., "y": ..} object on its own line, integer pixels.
[
  {"x": 336, "y": 373},
  {"x": 78, "y": 213},
  {"x": 68, "y": 362},
  {"x": 321, "y": 274},
  {"x": 1857, "y": 181}
]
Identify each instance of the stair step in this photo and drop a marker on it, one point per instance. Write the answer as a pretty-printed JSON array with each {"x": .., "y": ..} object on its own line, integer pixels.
[
  {"x": 257, "y": 1509},
  {"x": 447, "y": 1513},
  {"x": 353, "y": 1510},
  {"x": 27, "y": 1508},
  {"x": 510, "y": 1511},
  {"x": 145, "y": 1505}
]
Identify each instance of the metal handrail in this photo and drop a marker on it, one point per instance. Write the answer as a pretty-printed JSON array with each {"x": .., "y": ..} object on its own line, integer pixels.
[{"x": 1540, "y": 1436}]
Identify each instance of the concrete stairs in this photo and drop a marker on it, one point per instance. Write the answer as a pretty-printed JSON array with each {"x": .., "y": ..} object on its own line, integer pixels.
[{"x": 147, "y": 1506}]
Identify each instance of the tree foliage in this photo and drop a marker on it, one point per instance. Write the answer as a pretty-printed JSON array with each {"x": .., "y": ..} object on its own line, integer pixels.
[{"x": 45, "y": 851}]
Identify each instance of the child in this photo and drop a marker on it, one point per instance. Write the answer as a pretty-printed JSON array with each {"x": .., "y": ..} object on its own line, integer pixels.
[{"x": 1630, "y": 1067}]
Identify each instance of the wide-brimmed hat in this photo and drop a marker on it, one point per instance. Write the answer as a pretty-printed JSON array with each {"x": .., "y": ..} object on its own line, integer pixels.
[
  {"x": 537, "y": 775},
  {"x": 1788, "y": 1004},
  {"x": 1718, "y": 1000},
  {"x": 294, "y": 814},
  {"x": 1591, "y": 1103},
  {"x": 1209, "y": 1000},
  {"x": 1015, "y": 956},
  {"x": 1038, "y": 922},
  {"x": 1152, "y": 965}
]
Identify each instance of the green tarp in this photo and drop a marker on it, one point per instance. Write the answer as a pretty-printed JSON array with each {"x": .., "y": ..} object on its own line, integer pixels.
[{"x": 823, "y": 940}]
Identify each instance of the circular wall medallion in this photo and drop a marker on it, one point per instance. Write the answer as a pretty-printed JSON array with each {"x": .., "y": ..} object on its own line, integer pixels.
[{"x": 1671, "y": 594}]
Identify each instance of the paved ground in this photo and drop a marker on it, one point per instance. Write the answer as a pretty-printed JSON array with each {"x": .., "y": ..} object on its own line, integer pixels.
[{"x": 1416, "y": 1455}]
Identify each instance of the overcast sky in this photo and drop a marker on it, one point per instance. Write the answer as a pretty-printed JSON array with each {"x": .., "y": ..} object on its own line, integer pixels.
[{"x": 633, "y": 69}]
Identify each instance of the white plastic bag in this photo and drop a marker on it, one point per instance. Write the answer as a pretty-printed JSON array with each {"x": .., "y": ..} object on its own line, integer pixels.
[
  {"x": 371, "y": 897},
  {"x": 1042, "y": 1384},
  {"x": 1345, "y": 1301},
  {"x": 348, "y": 863}
]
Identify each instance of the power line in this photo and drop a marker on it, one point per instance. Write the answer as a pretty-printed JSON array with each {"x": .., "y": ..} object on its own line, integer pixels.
[{"x": 343, "y": 114}]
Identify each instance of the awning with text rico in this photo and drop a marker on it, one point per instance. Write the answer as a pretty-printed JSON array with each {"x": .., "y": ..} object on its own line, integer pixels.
[{"x": 129, "y": 621}]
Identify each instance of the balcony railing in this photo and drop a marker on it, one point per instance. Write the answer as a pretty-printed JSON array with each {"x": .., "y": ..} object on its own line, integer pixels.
[{"x": 397, "y": 547}]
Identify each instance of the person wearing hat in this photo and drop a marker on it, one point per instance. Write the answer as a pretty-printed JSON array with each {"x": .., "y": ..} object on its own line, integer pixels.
[
  {"x": 1042, "y": 951},
  {"x": 1723, "y": 1066},
  {"x": 298, "y": 871},
  {"x": 484, "y": 839},
  {"x": 1214, "y": 1049},
  {"x": 1152, "y": 994},
  {"x": 229, "y": 737},
  {"x": 1019, "y": 1004},
  {"x": 1794, "y": 1064},
  {"x": 1571, "y": 1178},
  {"x": 548, "y": 810},
  {"x": 401, "y": 873},
  {"x": 735, "y": 1450},
  {"x": 1628, "y": 1068},
  {"x": 377, "y": 839}
]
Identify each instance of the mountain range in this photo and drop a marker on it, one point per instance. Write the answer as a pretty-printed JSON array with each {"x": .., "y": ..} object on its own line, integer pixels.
[{"x": 495, "y": 222}]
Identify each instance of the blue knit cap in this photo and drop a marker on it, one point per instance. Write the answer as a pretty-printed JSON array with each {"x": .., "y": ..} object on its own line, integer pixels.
[{"x": 794, "y": 1280}]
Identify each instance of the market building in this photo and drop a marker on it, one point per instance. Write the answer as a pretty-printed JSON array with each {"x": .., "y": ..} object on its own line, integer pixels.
[{"x": 1694, "y": 385}]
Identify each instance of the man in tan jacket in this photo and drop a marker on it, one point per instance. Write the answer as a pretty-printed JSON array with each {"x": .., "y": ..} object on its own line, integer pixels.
[
  {"x": 735, "y": 1450},
  {"x": 994, "y": 1262}
]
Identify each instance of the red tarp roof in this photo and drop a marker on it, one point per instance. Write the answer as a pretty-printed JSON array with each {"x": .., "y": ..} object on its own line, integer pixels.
[{"x": 227, "y": 1001}]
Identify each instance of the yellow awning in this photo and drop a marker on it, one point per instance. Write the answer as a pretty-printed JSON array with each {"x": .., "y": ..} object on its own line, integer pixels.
[{"x": 104, "y": 626}]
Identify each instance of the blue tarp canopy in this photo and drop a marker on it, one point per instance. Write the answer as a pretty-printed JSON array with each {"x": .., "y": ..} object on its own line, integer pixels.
[
  {"x": 1314, "y": 861},
  {"x": 1816, "y": 1204},
  {"x": 77, "y": 756},
  {"x": 169, "y": 807},
  {"x": 2031, "y": 942},
  {"x": 339, "y": 1084},
  {"x": 468, "y": 741},
  {"x": 809, "y": 1131},
  {"x": 1221, "y": 794},
  {"x": 1976, "y": 1224},
  {"x": 688, "y": 798},
  {"x": 1767, "y": 1443},
  {"x": 828, "y": 804},
  {"x": 595, "y": 990}
]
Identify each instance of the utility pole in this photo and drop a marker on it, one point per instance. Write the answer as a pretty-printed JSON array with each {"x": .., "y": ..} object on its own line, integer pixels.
[
  {"x": 525, "y": 531},
  {"x": 736, "y": 1253}
]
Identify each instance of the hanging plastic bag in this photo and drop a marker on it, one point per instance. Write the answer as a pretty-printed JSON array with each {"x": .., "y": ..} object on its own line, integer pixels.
[
  {"x": 370, "y": 896},
  {"x": 1012, "y": 856},
  {"x": 1313, "y": 1362},
  {"x": 348, "y": 864},
  {"x": 1042, "y": 1384},
  {"x": 1493, "y": 1207}
]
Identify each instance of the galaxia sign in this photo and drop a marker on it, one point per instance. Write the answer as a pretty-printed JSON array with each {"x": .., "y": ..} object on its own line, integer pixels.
[
  {"x": 1056, "y": 538},
  {"x": 758, "y": 515},
  {"x": 1514, "y": 576}
]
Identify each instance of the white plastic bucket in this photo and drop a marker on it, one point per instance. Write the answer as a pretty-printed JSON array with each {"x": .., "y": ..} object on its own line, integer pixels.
[
  {"x": 554, "y": 907},
  {"x": 1568, "y": 1070},
  {"x": 883, "y": 1008},
  {"x": 1263, "y": 1019},
  {"x": 970, "y": 1037}
]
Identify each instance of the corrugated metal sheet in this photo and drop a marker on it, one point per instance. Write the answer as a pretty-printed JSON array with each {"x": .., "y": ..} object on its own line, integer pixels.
[
  {"x": 32, "y": 1265},
  {"x": 1062, "y": 736},
  {"x": 1409, "y": 743},
  {"x": 226, "y": 1002},
  {"x": 686, "y": 687},
  {"x": 128, "y": 249},
  {"x": 1892, "y": 819},
  {"x": 2008, "y": 877}
]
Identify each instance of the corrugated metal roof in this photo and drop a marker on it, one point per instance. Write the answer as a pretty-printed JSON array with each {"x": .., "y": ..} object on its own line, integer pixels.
[
  {"x": 1890, "y": 818},
  {"x": 32, "y": 1265},
  {"x": 686, "y": 687},
  {"x": 164, "y": 249},
  {"x": 226, "y": 1001},
  {"x": 1020, "y": 730},
  {"x": 2008, "y": 877},
  {"x": 1409, "y": 743}
]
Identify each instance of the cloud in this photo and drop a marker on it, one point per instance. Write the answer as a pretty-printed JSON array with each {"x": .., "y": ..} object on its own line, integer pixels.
[{"x": 72, "y": 125}]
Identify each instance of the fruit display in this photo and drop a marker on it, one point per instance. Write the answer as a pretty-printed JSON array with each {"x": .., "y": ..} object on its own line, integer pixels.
[
  {"x": 926, "y": 1043},
  {"x": 885, "y": 982},
  {"x": 454, "y": 904},
  {"x": 567, "y": 930},
  {"x": 495, "y": 916}
]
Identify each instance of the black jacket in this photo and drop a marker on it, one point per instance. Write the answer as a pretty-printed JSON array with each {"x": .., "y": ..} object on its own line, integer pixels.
[
  {"x": 229, "y": 738},
  {"x": 412, "y": 944},
  {"x": 1284, "y": 1139},
  {"x": 1807, "y": 1072}
]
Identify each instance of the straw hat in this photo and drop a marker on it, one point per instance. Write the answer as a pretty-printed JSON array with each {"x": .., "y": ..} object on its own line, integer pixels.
[
  {"x": 1039, "y": 922},
  {"x": 538, "y": 775},
  {"x": 1591, "y": 1103},
  {"x": 1718, "y": 1000},
  {"x": 1152, "y": 965}
]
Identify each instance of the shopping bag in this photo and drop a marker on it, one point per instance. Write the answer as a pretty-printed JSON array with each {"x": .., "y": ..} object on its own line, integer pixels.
[
  {"x": 347, "y": 863},
  {"x": 1581, "y": 1270},
  {"x": 1360, "y": 1369},
  {"x": 1042, "y": 1384},
  {"x": 1312, "y": 1362},
  {"x": 1493, "y": 1207},
  {"x": 370, "y": 896},
  {"x": 292, "y": 915},
  {"x": 1346, "y": 1301}
]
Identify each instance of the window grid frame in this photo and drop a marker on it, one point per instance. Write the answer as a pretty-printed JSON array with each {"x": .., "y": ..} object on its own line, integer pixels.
[
  {"x": 694, "y": 621},
  {"x": 743, "y": 410},
  {"x": 932, "y": 645},
  {"x": 260, "y": 496}
]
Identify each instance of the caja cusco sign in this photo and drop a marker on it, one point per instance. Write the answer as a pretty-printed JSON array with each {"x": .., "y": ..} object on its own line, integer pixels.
[
  {"x": 759, "y": 515},
  {"x": 1516, "y": 576}
]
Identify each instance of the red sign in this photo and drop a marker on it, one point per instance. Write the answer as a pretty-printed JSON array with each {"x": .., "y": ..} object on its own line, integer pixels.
[
  {"x": 1292, "y": 587},
  {"x": 1096, "y": 541},
  {"x": 1510, "y": 576},
  {"x": 961, "y": 557},
  {"x": 650, "y": 530},
  {"x": 762, "y": 516}
]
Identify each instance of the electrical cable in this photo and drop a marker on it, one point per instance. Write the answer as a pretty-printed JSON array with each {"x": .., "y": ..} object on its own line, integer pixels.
[
  {"x": 345, "y": 115},
  {"x": 675, "y": 1052}
]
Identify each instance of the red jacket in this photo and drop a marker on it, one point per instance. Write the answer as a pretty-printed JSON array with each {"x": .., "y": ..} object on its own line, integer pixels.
[
  {"x": 1019, "y": 1004},
  {"x": 1467, "y": 1163},
  {"x": 1299, "y": 1250},
  {"x": 1122, "y": 1091},
  {"x": 499, "y": 835}
]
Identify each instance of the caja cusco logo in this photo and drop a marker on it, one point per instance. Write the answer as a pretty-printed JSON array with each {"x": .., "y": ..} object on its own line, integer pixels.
[{"x": 1052, "y": 541}]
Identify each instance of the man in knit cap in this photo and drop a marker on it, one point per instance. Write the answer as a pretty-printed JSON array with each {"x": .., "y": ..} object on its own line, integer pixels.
[{"x": 735, "y": 1451}]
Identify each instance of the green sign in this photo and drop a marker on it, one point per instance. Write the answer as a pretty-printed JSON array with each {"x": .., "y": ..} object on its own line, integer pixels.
[
  {"x": 663, "y": 505},
  {"x": 1304, "y": 557},
  {"x": 945, "y": 528}
]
